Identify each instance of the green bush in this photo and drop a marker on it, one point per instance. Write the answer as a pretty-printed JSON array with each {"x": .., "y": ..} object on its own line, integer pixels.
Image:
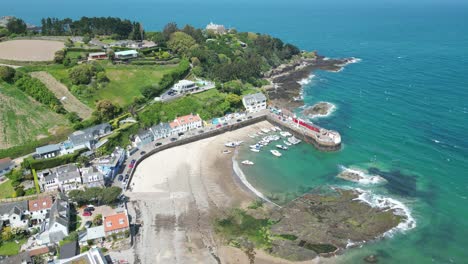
[
  {"x": 7, "y": 74},
  {"x": 37, "y": 90},
  {"x": 41, "y": 164}
]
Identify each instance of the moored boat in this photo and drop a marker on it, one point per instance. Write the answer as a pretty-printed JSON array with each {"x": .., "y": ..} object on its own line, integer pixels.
[
  {"x": 247, "y": 162},
  {"x": 287, "y": 143},
  {"x": 276, "y": 153},
  {"x": 282, "y": 147},
  {"x": 254, "y": 150},
  {"x": 226, "y": 151}
]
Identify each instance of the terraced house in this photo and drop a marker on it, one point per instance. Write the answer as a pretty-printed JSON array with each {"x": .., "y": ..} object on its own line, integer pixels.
[{"x": 65, "y": 178}]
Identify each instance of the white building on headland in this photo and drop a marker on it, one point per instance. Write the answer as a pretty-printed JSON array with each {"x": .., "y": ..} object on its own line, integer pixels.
[
  {"x": 185, "y": 86},
  {"x": 215, "y": 28},
  {"x": 254, "y": 102}
]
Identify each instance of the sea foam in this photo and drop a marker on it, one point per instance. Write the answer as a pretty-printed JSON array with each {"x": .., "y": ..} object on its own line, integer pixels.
[
  {"x": 387, "y": 203},
  {"x": 365, "y": 178},
  {"x": 307, "y": 80}
]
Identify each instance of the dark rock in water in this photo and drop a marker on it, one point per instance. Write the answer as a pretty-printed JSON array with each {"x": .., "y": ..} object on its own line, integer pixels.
[
  {"x": 371, "y": 259},
  {"x": 286, "y": 90},
  {"x": 321, "y": 108}
]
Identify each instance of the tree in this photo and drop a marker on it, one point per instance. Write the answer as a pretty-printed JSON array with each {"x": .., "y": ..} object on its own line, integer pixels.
[
  {"x": 101, "y": 77},
  {"x": 111, "y": 194},
  {"x": 97, "y": 220},
  {"x": 3, "y": 32},
  {"x": 83, "y": 160},
  {"x": 81, "y": 74},
  {"x": 234, "y": 100},
  {"x": 111, "y": 54},
  {"x": 73, "y": 117},
  {"x": 7, "y": 74},
  {"x": 181, "y": 43},
  {"x": 156, "y": 37},
  {"x": 59, "y": 56},
  {"x": 86, "y": 39},
  {"x": 17, "y": 26},
  {"x": 169, "y": 29},
  {"x": 106, "y": 110},
  {"x": 68, "y": 43}
]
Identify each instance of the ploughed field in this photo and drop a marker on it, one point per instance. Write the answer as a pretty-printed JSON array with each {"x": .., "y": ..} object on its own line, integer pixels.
[{"x": 29, "y": 50}]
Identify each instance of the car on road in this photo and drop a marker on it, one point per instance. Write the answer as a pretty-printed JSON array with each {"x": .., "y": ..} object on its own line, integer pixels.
[
  {"x": 132, "y": 164},
  {"x": 126, "y": 177},
  {"x": 225, "y": 124},
  {"x": 88, "y": 224},
  {"x": 173, "y": 139},
  {"x": 218, "y": 125},
  {"x": 238, "y": 120},
  {"x": 249, "y": 117},
  {"x": 181, "y": 134},
  {"x": 87, "y": 213},
  {"x": 201, "y": 131},
  {"x": 158, "y": 144},
  {"x": 143, "y": 153},
  {"x": 120, "y": 177}
]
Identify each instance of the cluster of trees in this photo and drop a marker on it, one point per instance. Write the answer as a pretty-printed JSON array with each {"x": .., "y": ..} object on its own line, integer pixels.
[
  {"x": 32, "y": 87},
  {"x": 96, "y": 195},
  {"x": 16, "y": 26},
  {"x": 90, "y": 26},
  {"x": 84, "y": 73},
  {"x": 106, "y": 110},
  {"x": 16, "y": 177}
]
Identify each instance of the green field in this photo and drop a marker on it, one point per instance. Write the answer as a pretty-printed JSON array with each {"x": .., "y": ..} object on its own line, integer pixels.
[
  {"x": 11, "y": 248},
  {"x": 22, "y": 119},
  {"x": 6, "y": 190},
  {"x": 126, "y": 81}
]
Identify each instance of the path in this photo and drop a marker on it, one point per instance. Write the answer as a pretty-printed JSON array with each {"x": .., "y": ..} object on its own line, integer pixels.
[{"x": 69, "y": 101}]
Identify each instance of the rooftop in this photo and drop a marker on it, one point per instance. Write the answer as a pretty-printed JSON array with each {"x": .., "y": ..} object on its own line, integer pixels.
[
  {"x": 69, "y": 250},
  {"x": 92, "y": 256},
  {"x": 40, "y": 204},
  {"x": 93, "y": 233},
  {"x": 47, "y": 149},
  {"x": 254, "y": 98},
  {"x": 126, "y": 52},
  {"x": 185, "y": 120},
  {"x": 115, "y": 222}
]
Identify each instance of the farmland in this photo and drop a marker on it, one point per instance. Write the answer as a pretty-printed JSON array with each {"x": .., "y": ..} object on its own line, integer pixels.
[
  {"x": 24, "y": 120},
  {"x": 29, "y": 50}
]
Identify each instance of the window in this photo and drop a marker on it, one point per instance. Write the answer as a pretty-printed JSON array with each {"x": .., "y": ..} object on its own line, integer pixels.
[
  {"x": 121, "y": 221},
  {"x": 109, "y": 224}
]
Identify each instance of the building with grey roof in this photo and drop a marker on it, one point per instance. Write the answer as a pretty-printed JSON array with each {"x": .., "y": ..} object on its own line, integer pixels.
[
  {"x": 92, "y": 177},
  {"x": 48, "y": 151},
  {"x": 92, "y": 256},
  {"x": 65, "y": 178},
  {"x": 111, "y": 164},
  {"x": 92, "y": 234},
  {"x": 15, "y": 214},
  {"x": 57, "y": 226},
  {"x": 143, "y": 137},
  {"x": 254, "y": 102},
  {"x": 87, "y": 138},
  {"x": 161, "y": 130},
  {"x": 69, "y": 250}
]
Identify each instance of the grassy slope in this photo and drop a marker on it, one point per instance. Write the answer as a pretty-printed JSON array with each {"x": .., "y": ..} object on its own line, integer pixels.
[
  {"x": 6, "y": 190},
  {"x": 126, "y": 81},
  {"x": 22, "y": 119}
]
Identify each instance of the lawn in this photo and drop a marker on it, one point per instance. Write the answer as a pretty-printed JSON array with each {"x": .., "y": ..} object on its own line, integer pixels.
[
  {"x": 126, "y": 81},
  {"x": 11, "y": 248},
  {"x": 22, "y": 119},
  {"x": 6, "y": 190}
]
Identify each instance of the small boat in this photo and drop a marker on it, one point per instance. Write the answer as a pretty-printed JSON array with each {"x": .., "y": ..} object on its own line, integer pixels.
[
  {"x": 233, "y": 144},
  {"x": 226, "y": 151},
  {"x": 260, "y": 133},
  {"x": 277, "y": 128},
  {"x": 285, "y": 134},
  {"x": 273, "y": 129},
  {"x": 293, "y": 140},
  {"x": 254, "y": 150},
  {"x": 247, "y": 162},
  {"x": 282, "y": 147},
  {"x": 286, "y": 143},
  {"x": 252, "y": 136},
  {"x": 275, "y": 152},
  {"x": 265, "y": 130},
  {"x": 256, "y": 146}
]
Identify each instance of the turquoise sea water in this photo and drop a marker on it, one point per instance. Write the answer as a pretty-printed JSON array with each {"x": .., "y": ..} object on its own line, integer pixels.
[{"x": 402, "y": 110}]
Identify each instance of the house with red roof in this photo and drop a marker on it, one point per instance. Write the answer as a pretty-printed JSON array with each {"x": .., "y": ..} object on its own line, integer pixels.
[
  {"x": 39, "y": 209},
  {"x": 116, "y": 223},
  {"x": 185, "y": 123}
]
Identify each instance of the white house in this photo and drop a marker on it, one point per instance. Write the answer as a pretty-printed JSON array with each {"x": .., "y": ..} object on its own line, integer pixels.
[
  {"x": 92, "y": 256},
  {"x": 143, "y": 137},
  {"x": 185, "y": 123},
  {"x": 185, "y": 86},
  {"x": 66, "y": 177},
  {"x": 215, "y": 28},
  {"x": 86, "y": 138},
  {"x": 15, "y": 214},
  {"x": 254, "y": 102},
  {"x": 110, "y": 165},
  {"x": 57, "y": 226},
  {"x": 92, "y": 177},
  {"x": 162, "y": 130},
  {"x": 39, "y": 209},
  {"x": 92, "y": 234},
  {"x": 126, "y": 54}
]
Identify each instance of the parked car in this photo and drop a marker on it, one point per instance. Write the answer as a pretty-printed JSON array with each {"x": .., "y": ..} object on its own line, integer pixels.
[
  {"x": 90, "y": 208},
  {"x": 238, "y": 120},
  {"x": 173, "y": 139},
  {"x": 88, "y": 224},
  {"x": 181, "y": 134},
  {"x": 126, "y": 177},
  {"x": 158, "y": 144},
  {"x": 87, "y": 213},
  {"x": 143, "y": 153},
  {"x": 120, "y": 178},
  {"x": 218, "y": 125},
  {"x": 249, "y": 117}
]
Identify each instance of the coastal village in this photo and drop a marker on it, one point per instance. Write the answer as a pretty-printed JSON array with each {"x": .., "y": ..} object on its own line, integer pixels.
[{"x": 82, "y": 199}]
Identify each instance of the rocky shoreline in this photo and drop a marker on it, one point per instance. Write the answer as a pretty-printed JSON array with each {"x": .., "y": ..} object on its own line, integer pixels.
[
  {"x": 319, "y": 109},
  {"x": 285, "y": 91}
]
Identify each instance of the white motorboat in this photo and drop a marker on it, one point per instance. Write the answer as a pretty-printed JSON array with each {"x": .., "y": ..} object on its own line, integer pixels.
[
  {"x": 293, "y": 140},
  {"x": 226, "y": 151},
  {"x": 277, "y": 128},
  {"x": 260, "y": 133},
  {"x": 254, "y": 150},
  {"x": 285, "y": 134},
  {"x": 273, "y": 129},
  {"x": 265, "y": 130},
  {"x": 247, "y": 162},
  {"x": 276, "y": 153},
  {"x": 287, "y": 143},
  {"x": 233, "y": 144},
  {"x": 282, "y": 147}
]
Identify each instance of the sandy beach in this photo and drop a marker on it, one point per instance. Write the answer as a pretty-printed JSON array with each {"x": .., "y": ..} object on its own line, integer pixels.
[{"x": 176, "y": 194}]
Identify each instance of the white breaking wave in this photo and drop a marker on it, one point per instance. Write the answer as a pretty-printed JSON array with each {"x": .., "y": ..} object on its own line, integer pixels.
[
  {"x": 351, "y": 61},
  {"x": 365, "y": 178},
  {"x": 240, "y": 174},
  {"x": 307, "y": 80},
  {"x": 388, "y": 203}
]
